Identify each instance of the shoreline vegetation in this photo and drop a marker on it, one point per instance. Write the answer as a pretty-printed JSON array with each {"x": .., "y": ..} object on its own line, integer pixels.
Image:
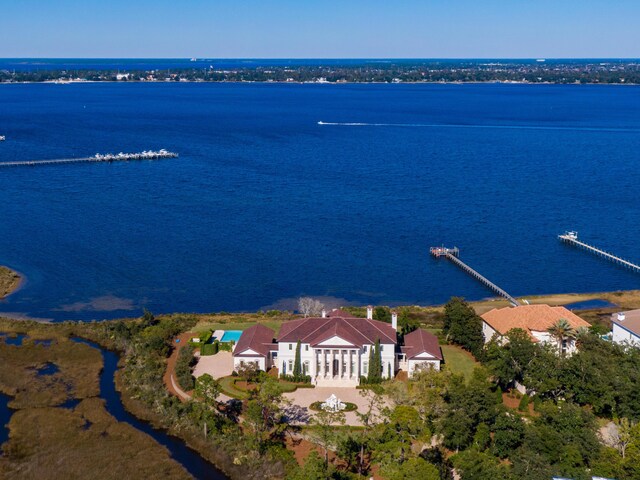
[
  {"x": 225, "y": 436},
  {"x": 395, "y": 71},
  {"x": 10, "y": 281}
]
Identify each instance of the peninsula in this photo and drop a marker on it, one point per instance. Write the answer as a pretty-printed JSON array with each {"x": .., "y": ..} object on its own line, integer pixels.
[{"x": 9, "y": 281}]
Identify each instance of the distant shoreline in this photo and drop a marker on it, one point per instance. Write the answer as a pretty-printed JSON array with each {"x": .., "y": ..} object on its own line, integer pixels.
[
  {"x": 277, "y": 82},
  {"x": 622, "y": 299}
]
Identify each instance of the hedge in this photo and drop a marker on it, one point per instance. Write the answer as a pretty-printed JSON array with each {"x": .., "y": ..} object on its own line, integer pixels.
[
  {"x": 349, "y": 407},
  {"x": 183, "y": 368}
]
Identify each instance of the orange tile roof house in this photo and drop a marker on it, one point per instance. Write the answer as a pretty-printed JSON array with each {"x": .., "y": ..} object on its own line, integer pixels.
[{"x": 533, "y": 319}]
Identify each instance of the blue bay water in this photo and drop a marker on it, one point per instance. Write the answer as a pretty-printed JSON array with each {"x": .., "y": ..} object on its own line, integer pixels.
[{"x": 264, "y": 204}]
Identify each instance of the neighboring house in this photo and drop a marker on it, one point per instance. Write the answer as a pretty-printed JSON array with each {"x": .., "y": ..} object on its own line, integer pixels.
[
  {"x": 335, "y": 348},
  {"x": 533, "y": 319},
  {"x": 255, "y": 346},
  {"x": 626, "y": 327},
  {"x": 420, "y": 351}
]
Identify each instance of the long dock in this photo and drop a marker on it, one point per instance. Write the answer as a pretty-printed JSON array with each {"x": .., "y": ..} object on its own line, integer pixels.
[
  {"x": 453, "y": 255},
  {"x": 97, "y": 158},
  {"x": 571, "y": 238}
]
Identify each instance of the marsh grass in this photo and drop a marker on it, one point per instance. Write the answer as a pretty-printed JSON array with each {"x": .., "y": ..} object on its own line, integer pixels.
[
  {"x": 46, "y": 442},
  {"x": 53, "y": 443},
  {"x": 77, "y": 376}
]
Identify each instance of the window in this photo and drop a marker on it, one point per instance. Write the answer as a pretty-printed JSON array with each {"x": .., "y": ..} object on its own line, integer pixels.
[
  {"x": 364, "y": 349},
  {"x": 306, "y": 348},
  {"x": 305, "y": 367},
  {"x": 290, "y": 365},
  {"x": 365, "y": 368},
  {"x": 291, "y": 346},
  {"x": 381, "y": 348}
]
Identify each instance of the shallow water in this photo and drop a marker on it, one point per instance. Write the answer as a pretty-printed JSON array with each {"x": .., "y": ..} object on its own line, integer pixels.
[
  {"x": 5, "y": 416},
  {"x": 13, "y": 340},
  {"x": 264, "y": 204},
  {"x": 590, "y": 304}
]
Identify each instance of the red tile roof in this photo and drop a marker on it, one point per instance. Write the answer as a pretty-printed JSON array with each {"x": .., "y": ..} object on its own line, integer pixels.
[
  {"x": 530, "y": 318},
  {"x": 420, "y": 341},
  {"x": 257, "y": 338},
  {"x": 357, "y": 331}
]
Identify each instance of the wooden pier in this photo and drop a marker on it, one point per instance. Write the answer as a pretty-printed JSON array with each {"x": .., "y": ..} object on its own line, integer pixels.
[
  {"x": 571, "y": 238},
  {"x": 98, "y": 158},
  {"x": 453, "y": 254}
]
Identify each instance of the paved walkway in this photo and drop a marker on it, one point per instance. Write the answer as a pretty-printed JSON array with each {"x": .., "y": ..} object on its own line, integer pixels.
[
  {"x": 303, "y": 397},
  {"x": 169, "y": 378}
]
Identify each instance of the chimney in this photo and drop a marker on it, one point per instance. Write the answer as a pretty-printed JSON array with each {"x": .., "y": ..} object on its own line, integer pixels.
[
  {"x": 324, "y": 313},
  {"x": 621, "y": 317},
  {"x": 394, "y": 320},
  {"x": 370, "y": 312}
]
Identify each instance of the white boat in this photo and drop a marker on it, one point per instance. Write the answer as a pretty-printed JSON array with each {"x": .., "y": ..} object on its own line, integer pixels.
[{"x": 2, "y": 139}]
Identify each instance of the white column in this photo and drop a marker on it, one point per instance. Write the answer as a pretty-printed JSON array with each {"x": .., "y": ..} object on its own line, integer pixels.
[
  {"x": 341, "y": 356},
  {"x": 324, "y": 363}
]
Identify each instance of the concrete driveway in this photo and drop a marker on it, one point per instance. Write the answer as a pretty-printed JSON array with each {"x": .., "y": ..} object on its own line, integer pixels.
[{"x": 218, "y": 365}]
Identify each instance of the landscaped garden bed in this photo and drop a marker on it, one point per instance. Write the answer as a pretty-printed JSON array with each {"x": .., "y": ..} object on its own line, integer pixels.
[{"x": 348, "y": 407}]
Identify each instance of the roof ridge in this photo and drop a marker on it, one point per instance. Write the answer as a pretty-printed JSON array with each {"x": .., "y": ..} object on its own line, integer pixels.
[{"x": 377, "y": 328}]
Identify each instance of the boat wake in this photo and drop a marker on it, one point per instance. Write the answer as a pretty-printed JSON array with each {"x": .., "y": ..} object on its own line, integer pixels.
[{"x": 503, "y": 127}]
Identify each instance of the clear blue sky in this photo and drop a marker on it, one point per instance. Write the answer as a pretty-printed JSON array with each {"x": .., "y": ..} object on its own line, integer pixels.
[{"x": 315, "y": 29}]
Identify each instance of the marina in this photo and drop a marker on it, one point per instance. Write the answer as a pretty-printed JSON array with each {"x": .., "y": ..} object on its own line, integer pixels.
[
  {"x": 109, "y": 157},
  {"x": 453, "y": 255},
  {"x": 571, "y": 238}
]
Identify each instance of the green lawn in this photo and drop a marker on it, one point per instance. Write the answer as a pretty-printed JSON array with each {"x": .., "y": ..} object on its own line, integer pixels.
[
  {"x": 228, "y": 388},
  {"x": 458, "y": 360},
  {"x": 203, "y": 326}
]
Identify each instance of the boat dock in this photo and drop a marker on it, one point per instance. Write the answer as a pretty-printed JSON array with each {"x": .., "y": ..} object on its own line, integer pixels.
[
  {"x": 571, "y": 238},
  {"x": 97, "y": 158},
  {"x": 453, "y": 255}
]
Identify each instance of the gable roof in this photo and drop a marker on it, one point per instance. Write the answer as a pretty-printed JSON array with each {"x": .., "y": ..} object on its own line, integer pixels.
[
  {"x": 631, "y": 321},
  {"x": 420, "y": 341},
  {"x": 257, "y": 338},
  {"x": 530, "y": 318},
  {"x": 357, "y": 331}
]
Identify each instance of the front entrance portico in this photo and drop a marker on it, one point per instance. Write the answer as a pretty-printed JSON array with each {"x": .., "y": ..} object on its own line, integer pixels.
[{"x": 336, "y": 366}]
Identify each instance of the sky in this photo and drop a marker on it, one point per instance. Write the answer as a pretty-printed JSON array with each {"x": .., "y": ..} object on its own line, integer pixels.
[{"x": 320, "y": 29}]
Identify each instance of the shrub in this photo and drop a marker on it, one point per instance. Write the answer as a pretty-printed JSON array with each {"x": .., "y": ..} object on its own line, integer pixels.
[
  {"x": 183, "y": 368},
  {"x": 225, "y": 346},
  {"x": 205, "y": 336},
  {"x": 524, "y": 403},
  {"x": 208, "y": 349},
  {"x": 296, "y": 378}
]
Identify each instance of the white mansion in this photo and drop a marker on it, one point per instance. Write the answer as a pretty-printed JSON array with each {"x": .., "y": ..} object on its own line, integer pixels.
[{"x": 335, "y": 348}]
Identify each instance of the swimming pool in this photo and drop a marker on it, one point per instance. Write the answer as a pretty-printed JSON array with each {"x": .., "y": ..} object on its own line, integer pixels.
[{"x": 231, "y": 335}]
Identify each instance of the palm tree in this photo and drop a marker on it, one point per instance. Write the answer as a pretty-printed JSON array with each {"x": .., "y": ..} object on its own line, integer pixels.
[{"x": 562, "y": 331}]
